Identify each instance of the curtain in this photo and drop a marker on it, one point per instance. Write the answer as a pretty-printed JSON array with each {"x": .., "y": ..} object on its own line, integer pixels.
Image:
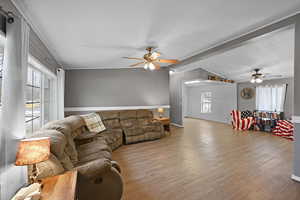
[
  {"x": 13, "y": 105},
  {"x": 270, "y": 98},
  {"x": 60, "y": 93}
]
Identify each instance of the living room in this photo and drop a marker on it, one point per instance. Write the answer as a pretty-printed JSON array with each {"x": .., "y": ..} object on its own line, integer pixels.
[{"x": 132, "y": 100}]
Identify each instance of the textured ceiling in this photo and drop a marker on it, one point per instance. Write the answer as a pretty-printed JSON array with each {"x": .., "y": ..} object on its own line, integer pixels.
[
  {"x": 272, "y": 53},
  {"x": 97, "y": 33}
]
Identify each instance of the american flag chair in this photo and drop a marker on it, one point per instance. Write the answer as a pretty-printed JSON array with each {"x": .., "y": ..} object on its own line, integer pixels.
[{"x": 241, "y": 124}]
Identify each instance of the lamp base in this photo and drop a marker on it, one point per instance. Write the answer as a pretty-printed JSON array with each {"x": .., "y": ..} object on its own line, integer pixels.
[{"x": 34, "y": 175}]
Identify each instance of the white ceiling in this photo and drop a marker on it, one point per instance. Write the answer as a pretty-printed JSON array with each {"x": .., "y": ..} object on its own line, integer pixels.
[
  {"x": 272, "y": 53},
  {"x": 97, "y": 33}
]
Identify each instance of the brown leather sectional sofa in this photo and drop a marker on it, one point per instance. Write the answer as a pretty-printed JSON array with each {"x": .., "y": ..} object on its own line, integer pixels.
[{"x": 73, "y": 147}]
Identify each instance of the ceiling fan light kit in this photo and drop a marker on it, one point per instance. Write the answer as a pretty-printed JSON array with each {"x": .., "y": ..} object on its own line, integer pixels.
[
  {"x": 256, "y": 77},
  {"x": 151, "y": 60}
]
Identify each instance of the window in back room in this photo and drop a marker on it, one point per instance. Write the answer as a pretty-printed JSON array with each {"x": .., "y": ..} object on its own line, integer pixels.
[{"x": 206, "y": 102}]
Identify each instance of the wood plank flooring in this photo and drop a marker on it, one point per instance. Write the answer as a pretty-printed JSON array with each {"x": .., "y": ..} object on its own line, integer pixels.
[{"x": 209, "y": 161}]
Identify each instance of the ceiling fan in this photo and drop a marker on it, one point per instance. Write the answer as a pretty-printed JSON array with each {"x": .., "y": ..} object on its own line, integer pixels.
[
  {"x": 151, "y": 60},
  {"x": 257, "y": 76}
]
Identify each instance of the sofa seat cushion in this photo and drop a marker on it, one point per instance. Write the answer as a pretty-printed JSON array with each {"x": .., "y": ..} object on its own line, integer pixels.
[
  {"x": 112, "y": 136},
  {"x": 86, "y": 135},
  {"x": 94, "y": 169},
  {"x": 93, "y": 147},
  {"x": 83, "y": 158},
  {"x": 133, "y": 131},
  {"x": 152, "y": 128},
  {"x": 148, "y": 121},
  {"x": 144, "y": 137}
]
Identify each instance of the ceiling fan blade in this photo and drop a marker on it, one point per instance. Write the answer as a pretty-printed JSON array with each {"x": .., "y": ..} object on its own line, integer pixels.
[
  {"x": 173, "y": 61},
  {"x": 155, "y": 55},
  {"x": 132, "y": 58},
  {"x": 157, "y": 65},
  {"x": 272, "y": 76},
  {"x": 136, "y": 64}
]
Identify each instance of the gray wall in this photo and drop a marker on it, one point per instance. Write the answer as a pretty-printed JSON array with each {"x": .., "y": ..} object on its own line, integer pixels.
[
  {"x": 177, "y": 91},
  {"x": 116, "y": 87},
  {"x": 296, "y": 171},
  {"x": 7, "y": 144},
  {"x": 249, "y": 104},
  {"x": 220, "y": 110}
]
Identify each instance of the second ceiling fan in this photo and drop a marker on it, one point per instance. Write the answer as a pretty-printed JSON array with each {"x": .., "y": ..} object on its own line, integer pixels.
[{"x": 151, "y": 60}]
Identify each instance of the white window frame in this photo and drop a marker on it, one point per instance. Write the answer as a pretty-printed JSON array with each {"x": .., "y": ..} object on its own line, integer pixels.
[
  {"x": 45, "y": 73},
  {"x": 206, "y": 99}
]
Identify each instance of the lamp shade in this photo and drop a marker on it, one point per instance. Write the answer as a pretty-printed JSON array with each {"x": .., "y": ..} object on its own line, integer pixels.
[
  {"x": 32, "y": 151},
  {"x": 160, "y": 110}
]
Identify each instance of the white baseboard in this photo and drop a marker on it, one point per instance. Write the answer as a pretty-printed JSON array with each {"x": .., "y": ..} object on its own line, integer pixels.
[
  {"x": 295, "y": 178},
  {"x": 78, "y": 109},
  {"x": 296, "y": 119},
  {"x": 180, "y": 126}
]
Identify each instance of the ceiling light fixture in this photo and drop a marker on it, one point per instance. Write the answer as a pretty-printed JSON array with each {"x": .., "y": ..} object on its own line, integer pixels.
[
  {"x": 256, "y": 77},
  {"x": 151, "y": 66}
]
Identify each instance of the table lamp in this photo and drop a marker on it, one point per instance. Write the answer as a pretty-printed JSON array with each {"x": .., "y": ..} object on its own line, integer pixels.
[
  {"x": 32, "y": 151},
  {"x": 160, "y": 111}
]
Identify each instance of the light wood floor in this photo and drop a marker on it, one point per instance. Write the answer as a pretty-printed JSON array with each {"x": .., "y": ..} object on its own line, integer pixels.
[{"x": 209, "y": 161}]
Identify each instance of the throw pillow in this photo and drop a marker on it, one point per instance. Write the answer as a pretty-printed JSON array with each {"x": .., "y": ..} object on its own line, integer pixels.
[
  {"x": 93, "y": 122},
  {"x": 246, "y": 114}
]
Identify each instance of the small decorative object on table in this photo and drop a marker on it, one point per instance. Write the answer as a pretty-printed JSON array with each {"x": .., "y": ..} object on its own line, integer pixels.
[
  {"x": 161, "y": 112},
  {"x": 32, "y": 192}
]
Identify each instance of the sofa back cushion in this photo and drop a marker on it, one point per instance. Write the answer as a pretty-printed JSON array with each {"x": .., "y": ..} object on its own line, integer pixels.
[
  {"x": 106, "y": 115},
  {"x": 112, "y": 124},
  {"x": 129, "y": 123},
  {"x": 128, "y": 114},
  {"x": 111, "y": 119},
  {"x": 74, "y": 121},
  {"x": 64, "y": 128},
  {"x": 144, "y": 114}
]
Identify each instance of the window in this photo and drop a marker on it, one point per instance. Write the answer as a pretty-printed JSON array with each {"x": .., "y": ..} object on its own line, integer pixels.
[
  {"x": 38, "y": 99},
  {"x": 33, "y": 100},
  {"x": 206, "y": 102},
  {"x": 1, "y": 74},
  {"x": 270, "y": 98}
]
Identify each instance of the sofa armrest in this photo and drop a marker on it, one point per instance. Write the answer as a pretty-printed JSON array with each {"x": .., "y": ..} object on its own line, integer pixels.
[
  {"x": 108, "y": 186},
  {"x": 47, "y": 168},
  {"x": 94, "y": 169}
]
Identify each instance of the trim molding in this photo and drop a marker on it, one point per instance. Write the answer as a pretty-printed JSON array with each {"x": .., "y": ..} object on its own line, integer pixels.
[
  {"x": 295, "y": 178},
  {"x": 78, "y": 109},
  {"x": 296, "y": 119},
  {"x": 177, "y": 125}
]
